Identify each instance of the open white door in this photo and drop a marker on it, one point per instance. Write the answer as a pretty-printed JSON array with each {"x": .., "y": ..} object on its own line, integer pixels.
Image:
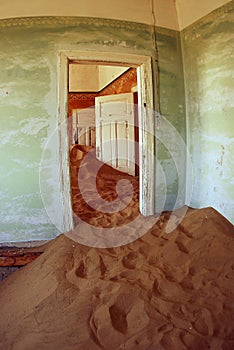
[{"x": 115, "y": 134}]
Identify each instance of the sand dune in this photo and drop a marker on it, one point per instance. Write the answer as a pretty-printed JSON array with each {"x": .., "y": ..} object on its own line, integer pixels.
[{"x": 162, "y": 291}]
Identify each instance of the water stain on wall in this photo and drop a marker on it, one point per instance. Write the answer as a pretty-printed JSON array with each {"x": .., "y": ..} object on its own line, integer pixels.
[
  {"x": 208, "y": 66},
  {"x": 29, "y": 49}
]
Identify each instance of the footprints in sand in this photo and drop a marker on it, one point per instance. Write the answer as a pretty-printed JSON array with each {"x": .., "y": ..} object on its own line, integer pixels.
[
  {"x": 123, "y": 316},
  {"x": 161, "y": 292},
  {"x": 203, "y": 323},
  {"x": 118, "y": 318},
  {"x": 81, "y": 270},
  {"x": 102, "y": 266},
  {"x": 85, "y": 270},
  {"x": 177, "y": 295},
  {"x": 130, "y": 260}
]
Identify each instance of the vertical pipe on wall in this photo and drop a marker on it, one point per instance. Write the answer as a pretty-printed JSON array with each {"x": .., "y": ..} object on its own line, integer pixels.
[{"x": 156, "y": 68}]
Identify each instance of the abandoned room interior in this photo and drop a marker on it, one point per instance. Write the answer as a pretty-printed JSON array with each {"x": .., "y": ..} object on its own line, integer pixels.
[{"x": 116, "y": 199}]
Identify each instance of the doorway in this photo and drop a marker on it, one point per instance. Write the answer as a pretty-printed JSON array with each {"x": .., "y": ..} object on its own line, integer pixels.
[
  {"x": 142, "y": 64},
  {"x": 103, "y": 113}
]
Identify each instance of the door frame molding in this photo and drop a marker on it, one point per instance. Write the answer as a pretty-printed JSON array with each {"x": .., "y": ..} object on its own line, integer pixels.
[{"x": 147, "y": 170}]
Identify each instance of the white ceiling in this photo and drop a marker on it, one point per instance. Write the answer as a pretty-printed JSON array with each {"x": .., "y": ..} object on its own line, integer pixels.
[
  {"x": 91, "y": 77},
  {"x": 188, "y": 11},
  {"x": 173, "y": 14}
]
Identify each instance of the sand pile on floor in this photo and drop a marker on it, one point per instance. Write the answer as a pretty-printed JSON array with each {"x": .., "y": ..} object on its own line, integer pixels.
[
  {"x": 163, "y": 291},
  {"x": 93, "y": 202}
]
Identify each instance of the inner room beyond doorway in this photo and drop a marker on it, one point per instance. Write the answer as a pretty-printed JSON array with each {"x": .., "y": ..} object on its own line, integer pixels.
[{"x": 103, "y": 122}]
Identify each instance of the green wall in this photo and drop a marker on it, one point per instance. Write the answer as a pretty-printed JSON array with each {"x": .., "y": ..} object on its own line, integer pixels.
[
  {"x": 170, "y": 143},
  {"x": 208, "y": 55},
  {"x": 29, "y": 49},
  {"x": 200, "y": 57}
]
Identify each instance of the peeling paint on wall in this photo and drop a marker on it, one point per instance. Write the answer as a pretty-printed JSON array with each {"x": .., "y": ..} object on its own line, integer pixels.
[
  {"x": 171, "y": 167},
  {"x": 208, "y": 55},
  {"x": 29, "y": 50}
]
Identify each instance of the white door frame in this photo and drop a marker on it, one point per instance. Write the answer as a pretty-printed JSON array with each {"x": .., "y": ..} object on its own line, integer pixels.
[{"x": 146, "y": 124}]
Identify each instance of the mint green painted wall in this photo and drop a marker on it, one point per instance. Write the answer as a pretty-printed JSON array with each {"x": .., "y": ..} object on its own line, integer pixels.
[
  {"x": 29, "y": 50},
  {"x": 208, "y": 54},
  {"x": 171, "y": 158}
]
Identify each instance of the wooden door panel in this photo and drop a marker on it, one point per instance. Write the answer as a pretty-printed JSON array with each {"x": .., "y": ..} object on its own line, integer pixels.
[
  {"x": 83, "y": 126},
  {"x": 115, "y": 131}
]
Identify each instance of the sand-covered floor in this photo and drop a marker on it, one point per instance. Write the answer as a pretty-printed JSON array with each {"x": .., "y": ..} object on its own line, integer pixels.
[
  {"x": 163, "y": 291},
  {"x": 160, "y": 292},
  {"x": 93, "y": 175}
]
